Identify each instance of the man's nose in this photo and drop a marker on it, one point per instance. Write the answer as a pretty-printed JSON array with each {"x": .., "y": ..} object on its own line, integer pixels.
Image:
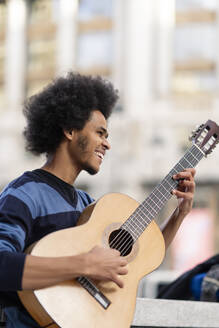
[{"x": 106, "y": 144}]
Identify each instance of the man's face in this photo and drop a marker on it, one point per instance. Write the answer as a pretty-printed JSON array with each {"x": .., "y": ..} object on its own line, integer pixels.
[{"x": 89, "y": 145}]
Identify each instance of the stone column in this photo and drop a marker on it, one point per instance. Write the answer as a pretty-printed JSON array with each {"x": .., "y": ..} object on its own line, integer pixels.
[
  {"x": 217, "y": 46},
  {"x": 164, "y": 55},
  {"x": 15, "y": 66},
  {"x": 134, "y": 42},
  {"x": 66, "y": 35}
]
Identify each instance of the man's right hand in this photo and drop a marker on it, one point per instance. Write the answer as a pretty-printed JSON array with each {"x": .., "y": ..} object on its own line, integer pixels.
[{"x": 105, "y": 264}]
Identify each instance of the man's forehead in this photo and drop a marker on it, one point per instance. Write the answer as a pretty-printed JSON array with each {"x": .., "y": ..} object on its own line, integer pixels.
[{"x": 98, "y": 118}]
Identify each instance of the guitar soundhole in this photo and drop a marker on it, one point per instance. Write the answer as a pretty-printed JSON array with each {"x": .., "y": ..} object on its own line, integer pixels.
[{"x": 122, "y": 241}]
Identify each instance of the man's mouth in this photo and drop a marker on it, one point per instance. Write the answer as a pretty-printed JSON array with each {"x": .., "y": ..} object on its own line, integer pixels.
[{"x": 100, "y": 155}]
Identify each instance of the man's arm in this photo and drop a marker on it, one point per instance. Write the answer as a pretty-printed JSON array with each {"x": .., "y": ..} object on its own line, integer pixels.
[
  {"x": 185, "y": 195},
  {"x": 21, "y": 271},
  {"x": 99, "y": 263}
]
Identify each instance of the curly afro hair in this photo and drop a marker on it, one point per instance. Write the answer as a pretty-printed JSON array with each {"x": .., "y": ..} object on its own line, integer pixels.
[{"x": 65, "y": 104}]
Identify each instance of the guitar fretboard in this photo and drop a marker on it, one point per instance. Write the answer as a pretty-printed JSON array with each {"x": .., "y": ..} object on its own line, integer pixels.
[{"x": 153, "y": 204}]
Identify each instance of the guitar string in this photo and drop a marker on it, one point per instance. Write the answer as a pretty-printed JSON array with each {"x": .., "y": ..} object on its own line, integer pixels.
[
  {"x": 154, "y": 194},
  {"x": 161, "y": 201},
  {"x": 126, "y": 247},
  {"x": 149, "y": 220},
  {"x": 151, "y": 199},
  {"x": 124, "y": 250},
  {"x": 165, "y": 198},
  {"x": 148, "y": 205},
  {"x": 196, "y": 160},
  {"x": 115, "y": 243}
]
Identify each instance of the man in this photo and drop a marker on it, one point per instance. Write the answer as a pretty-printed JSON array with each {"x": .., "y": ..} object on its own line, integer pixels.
[{"x": 67, "y": 121}]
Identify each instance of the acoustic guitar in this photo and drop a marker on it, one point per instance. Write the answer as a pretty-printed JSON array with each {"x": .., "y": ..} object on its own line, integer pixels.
[{"x": 119, "y": 222}]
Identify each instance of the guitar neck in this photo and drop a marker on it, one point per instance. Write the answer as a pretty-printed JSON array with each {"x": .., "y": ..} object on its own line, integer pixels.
[{"x": 153, "y": 204}]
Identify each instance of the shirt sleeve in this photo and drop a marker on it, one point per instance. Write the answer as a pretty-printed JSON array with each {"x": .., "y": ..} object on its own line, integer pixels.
[
  {"x": 15, "y": 225},
  {"x": 11, "y": 272},
  {"x": 84, "y": 198}
]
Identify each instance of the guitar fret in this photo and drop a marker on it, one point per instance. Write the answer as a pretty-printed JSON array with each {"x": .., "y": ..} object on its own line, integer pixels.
[
  {"x": 187, "y": 162},
  {"x": 181, "y": 166},
  {"x": 138, "y": 227},
  {"x": 167, "y": 182},
  {"x": 140, "y": 214},
  {"x": 151, "y": 199},
  {"x": 164, "y": 191},
  {"x": 147, "y": 205},
  {"x": 196, "y": 158},
  {"x": 137, "y": 231},
  {"x": 159, "y": 200},
  {"x": 135, "y": 222},
  {"x": 153, "y": 210},
  {"x": 143, "y": 220},
  {"x": 162, "y": 195},
  {"x": 150, "y": 207}
]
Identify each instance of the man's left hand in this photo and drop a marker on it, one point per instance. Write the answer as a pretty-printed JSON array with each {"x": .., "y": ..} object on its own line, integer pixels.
[{"x": 185, "y": 190}]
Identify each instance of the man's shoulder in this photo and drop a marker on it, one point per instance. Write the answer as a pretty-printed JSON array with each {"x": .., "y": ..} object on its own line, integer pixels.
[
  {"x": 20, "y": 181},
  {"x": 22, "y": 184},
  {"x": 19, "y": 193},
  {"x": 84, "y": 197}
]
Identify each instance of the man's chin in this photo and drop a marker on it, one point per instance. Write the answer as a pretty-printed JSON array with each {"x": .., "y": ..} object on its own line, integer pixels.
[{"x": 91, "y": 170}]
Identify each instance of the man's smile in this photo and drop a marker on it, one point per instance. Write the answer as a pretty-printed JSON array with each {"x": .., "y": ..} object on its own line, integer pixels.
[{"x": 99, "y": 154}]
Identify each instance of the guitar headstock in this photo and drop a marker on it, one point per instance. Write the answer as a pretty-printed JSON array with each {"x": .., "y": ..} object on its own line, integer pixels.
[{"x": 206, "y": 136}]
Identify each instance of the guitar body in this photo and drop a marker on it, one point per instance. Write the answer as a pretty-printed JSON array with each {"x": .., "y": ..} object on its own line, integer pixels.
[{"x": 68, "y": 304}]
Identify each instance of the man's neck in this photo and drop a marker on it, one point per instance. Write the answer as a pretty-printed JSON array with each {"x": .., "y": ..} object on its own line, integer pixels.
[{"x": 61, "y": 167}]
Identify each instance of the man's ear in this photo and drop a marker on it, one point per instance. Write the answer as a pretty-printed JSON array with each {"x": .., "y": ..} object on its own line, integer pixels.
[{"x": 68, "y": 134}]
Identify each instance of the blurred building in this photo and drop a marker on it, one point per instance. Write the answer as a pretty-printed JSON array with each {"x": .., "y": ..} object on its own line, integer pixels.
[{"x": 163, "y": 58}]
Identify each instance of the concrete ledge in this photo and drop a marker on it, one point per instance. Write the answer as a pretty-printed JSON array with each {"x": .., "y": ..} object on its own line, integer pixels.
[{"x": 171, "y": 313}]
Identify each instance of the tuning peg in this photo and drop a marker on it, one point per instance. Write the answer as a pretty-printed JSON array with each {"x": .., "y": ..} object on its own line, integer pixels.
[
  {"x": 200, "y": 127},
  {"x": 195, "y": 132},
  {"x": 192, "y": 136}
]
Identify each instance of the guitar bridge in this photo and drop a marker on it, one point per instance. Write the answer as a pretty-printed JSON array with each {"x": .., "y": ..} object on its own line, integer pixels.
[{"x": 94, "y": 291}]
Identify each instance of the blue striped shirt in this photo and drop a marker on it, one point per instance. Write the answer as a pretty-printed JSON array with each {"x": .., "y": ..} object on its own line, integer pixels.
[{"x": 33, "y": 205}]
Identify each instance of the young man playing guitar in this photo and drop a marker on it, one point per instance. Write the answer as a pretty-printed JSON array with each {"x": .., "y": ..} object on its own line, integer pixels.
[{"x": 67, "y": 122}]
